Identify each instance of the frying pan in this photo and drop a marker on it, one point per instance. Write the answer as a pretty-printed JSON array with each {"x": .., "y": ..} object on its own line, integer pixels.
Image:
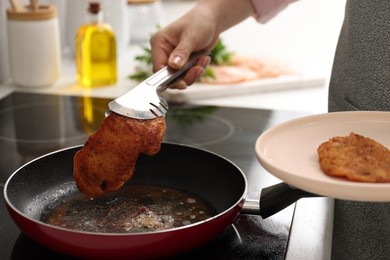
[{"x": 207, "y": 175}]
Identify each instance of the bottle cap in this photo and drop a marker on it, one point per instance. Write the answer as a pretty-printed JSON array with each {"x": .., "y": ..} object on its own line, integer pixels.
[{"x": 94, "y": 7}]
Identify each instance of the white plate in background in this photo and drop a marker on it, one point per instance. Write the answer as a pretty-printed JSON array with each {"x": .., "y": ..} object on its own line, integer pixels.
[{"x": 202, "y": 90}]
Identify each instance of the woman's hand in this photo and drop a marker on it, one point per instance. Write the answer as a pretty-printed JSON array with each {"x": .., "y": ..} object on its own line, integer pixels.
[
  {"x": 197, "y": 30},
  {"x": 174, "y": 44}
]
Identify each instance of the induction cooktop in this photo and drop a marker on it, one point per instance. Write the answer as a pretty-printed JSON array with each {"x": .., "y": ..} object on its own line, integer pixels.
[{"x": 34, "y": 124}]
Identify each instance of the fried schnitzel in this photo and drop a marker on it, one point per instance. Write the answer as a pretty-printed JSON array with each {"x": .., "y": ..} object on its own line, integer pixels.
[
  {"x": 107, "y": 159},
  {"x": 355, "y": 157}
]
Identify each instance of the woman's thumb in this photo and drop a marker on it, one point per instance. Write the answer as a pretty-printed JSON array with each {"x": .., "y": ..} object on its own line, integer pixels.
[{"x": 179, "y": 56}]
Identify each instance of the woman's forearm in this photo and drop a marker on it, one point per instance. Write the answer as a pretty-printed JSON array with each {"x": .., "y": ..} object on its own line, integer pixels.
[
  {"x": 265, "y": 10},
  {"x": 225, "y": 13}
]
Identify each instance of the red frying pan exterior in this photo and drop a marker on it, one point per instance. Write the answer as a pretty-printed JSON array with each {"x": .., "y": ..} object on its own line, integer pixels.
[
  {"x": 117, "y": 246},
  {"x": 203, "y": 173}
]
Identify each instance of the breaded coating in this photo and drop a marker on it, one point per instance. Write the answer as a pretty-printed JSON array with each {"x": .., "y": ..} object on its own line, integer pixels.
[
  {"x": 355, "y": 157},
  {"x": 107, "y": 160}
]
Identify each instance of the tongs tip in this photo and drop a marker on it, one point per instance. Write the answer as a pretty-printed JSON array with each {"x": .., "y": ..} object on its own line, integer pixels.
[
  {"x": 144, "y": 101},
  {"x": 154, "y": 110}
]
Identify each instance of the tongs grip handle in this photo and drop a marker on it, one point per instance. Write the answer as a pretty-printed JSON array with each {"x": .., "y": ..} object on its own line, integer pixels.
[{"x": 165, "y": 77}]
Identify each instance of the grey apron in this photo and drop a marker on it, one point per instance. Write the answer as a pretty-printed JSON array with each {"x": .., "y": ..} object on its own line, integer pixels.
[{"x": 360, "y": 80}]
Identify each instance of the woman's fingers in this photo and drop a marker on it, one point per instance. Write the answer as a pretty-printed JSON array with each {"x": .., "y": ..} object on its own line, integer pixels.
[{"x": 193, "y": 74}]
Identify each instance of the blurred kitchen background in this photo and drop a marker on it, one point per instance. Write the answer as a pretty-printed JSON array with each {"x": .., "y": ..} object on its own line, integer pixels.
[{"x": 304, "y": 36}]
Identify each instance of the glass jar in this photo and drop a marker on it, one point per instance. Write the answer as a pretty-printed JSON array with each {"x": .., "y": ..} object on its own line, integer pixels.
[
  {"x": 145, "y": 18},
  {"x": 34, "y": 45}
]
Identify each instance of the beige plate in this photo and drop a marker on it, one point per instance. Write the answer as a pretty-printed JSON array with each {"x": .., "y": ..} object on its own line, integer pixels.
[{"x": 289, "y": 152}]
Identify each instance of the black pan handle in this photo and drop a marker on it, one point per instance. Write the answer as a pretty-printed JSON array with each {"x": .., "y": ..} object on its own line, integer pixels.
[
  {"x": 274, "y": 199},
  {"x": 277, "y": 197}
]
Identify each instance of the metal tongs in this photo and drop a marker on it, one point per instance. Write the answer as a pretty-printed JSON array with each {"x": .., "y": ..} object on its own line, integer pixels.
[{"x": 144, "y": 101}]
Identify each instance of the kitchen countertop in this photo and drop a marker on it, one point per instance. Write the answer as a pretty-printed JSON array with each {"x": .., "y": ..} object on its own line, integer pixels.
[
  {"x": 302, "y": 36},
  {"x": 305, "y": 37}
]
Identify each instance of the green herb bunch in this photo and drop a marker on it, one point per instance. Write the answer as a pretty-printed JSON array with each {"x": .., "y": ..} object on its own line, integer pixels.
[{"x": 219, "y": 55}]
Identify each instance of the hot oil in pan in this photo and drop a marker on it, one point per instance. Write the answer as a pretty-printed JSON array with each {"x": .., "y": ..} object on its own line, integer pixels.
[{"x": 134, "y": 208}]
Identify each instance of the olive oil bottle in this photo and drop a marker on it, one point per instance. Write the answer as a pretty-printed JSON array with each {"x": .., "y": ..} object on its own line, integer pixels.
[{"x": 95, "y": 50}]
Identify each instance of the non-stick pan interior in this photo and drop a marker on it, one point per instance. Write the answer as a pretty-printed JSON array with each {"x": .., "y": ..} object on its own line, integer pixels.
[
  {"x": 205, "y": 174},
  {"x": 35, "y": 185}
]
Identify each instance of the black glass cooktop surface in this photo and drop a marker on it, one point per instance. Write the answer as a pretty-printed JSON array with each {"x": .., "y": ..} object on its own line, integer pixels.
[{"x": 35, "y": 124}]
